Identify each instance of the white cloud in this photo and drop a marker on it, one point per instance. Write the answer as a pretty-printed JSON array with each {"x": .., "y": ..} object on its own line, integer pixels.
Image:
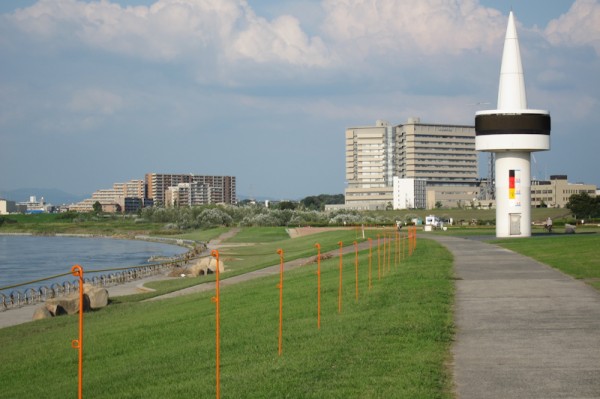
[
  {"x": 280, "y": 40},
  {"x": 579, "y": 26},
  {"x": 95, "y": 101},
  {"x": 412, "y": 26},
  {"x": 173, "y": 29}
]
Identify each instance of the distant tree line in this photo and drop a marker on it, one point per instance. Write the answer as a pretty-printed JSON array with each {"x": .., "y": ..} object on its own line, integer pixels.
[
  {"x": 583, "y": 206},
  {"x": 318, "y": 202},
  {"x": 307, "y": 212}
]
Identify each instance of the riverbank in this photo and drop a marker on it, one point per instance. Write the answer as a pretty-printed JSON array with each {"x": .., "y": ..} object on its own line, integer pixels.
[{"x": 24, "y": 313}]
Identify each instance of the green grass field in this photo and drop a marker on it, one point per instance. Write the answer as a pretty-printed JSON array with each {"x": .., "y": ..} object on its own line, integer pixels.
[
  {"x": 573, "y": 254},
  {"x": 393, "y": 342},
  {"x": 537, "y": 214},
  {"x": 261, "y": 253},
  {"x": 57, "y": 223}
]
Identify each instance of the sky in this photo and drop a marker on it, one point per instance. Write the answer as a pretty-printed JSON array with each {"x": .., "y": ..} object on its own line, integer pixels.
[{"x": 98, "y": 92}]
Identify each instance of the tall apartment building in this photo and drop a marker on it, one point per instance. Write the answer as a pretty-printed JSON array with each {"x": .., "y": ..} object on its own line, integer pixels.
[
  {"x": 222, "y": 188},
  {"x": 441, "y": 154},
  {"x": 188, "y": 194},
  {"x": 369, "y": 165},
  {"x": 555, "y": 193}
]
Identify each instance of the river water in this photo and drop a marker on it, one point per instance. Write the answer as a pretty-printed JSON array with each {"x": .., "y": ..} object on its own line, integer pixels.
[{"x": 27, "y": 258}]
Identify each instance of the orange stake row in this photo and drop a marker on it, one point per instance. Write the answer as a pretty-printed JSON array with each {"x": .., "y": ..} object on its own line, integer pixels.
[
  {"x": 318, "y": 285},
  {"x": 217, "y": 300},
  {"x": 77, "y": 271},
  {"x": 341, "y": 244},
  {"x": 280, "y": 286},
  {"x": 400, "y": 249}
]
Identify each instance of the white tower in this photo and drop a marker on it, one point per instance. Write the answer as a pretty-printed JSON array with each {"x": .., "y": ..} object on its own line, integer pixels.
[{"x": 512, "y": 132}]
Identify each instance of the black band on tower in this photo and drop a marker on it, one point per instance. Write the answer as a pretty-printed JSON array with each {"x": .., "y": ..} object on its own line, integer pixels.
[{"x": 512, "y": 124}]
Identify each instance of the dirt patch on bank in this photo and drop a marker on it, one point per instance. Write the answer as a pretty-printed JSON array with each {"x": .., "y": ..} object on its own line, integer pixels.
[{"x": 306, "y": 231}]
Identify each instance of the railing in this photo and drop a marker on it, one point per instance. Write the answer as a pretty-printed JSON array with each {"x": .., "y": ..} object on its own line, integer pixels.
[{"x": 110, "y": 277}]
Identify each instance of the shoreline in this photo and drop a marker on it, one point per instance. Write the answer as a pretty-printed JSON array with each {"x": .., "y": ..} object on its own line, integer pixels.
[{"x": 193, "y": 250}]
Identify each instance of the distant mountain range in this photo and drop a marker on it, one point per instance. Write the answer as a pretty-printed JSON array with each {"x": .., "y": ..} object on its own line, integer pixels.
[{"x": 51, "y": 195}]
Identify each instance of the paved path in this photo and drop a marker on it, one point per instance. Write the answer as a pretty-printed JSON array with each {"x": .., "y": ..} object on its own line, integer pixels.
[{"x": 524, "y": 330}]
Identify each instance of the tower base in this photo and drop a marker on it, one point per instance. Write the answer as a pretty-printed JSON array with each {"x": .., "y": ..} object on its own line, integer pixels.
[{"x": 513, "y": 194}]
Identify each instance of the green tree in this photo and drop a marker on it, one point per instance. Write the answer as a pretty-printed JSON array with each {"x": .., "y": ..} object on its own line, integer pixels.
[
  {"x": 283, "y": 205},
  {"x": 438, "y": 204},
  {"x": 318, "y": 202},
  {"x": 584, "y": 206},
  {"x": 97, "y": 207}
]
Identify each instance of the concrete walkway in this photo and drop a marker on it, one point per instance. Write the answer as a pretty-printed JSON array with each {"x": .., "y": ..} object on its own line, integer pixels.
[{"x": 523, "y": 329}]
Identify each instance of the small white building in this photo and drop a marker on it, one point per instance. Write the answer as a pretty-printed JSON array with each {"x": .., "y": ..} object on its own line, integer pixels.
[
  {"x": 7, "y": 207},
  {"x": 409, "y": 193}
]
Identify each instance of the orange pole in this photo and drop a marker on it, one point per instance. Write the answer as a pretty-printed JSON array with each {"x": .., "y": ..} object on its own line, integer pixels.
[
  {"x": 390, "y": 252},
  {"x": 217, "y": 301},
  {"x": 389, "y": 248},
  {"x": 378, "y": 259},
  {"x": 356, "y": 268},
  {"x": 77, "y": 271},
  {"x": 318, "y": 285},
  {"x": 384, "y": 252},
  {"x": 340, "y": 289},
  {"x": 415, "y": 237},
  {"x": 397, "y": 249},
  {"x": 370, "y": 259},
  {"x": 280, "y": 286}
]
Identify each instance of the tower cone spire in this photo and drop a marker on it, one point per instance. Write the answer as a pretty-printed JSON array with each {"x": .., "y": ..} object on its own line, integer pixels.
[
  {"x": 512, "y": 132},
  {"x": 511, "y": 90}
]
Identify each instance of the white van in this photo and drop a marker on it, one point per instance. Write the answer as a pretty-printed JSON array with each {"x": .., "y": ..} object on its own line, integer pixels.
[{"x": 433, "y": 221}]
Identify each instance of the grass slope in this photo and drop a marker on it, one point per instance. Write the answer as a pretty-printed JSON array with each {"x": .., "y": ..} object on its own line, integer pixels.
[
  {"x": 392, "y": 342},
  {"x": 575, "y": 255}
]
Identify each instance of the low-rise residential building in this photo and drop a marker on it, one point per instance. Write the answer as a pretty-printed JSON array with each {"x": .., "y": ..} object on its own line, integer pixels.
[
  {"x": 123, "y": 197},
  {"x": 34, "y": 206},
  {"x": 555, "y": 193}
]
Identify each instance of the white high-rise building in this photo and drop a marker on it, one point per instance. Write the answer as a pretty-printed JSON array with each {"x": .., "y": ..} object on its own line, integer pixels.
[{"x": 441, "y": 154}]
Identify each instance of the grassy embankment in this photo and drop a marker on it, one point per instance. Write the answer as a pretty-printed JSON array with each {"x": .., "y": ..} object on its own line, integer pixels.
[
  {"x": 573, "y": 254},
  {"x": 65, "y": 223},
  {"x": 538, "y": 215},
  {"x": 260, "y": 253},
  {"x": 392, "y": 342}
]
